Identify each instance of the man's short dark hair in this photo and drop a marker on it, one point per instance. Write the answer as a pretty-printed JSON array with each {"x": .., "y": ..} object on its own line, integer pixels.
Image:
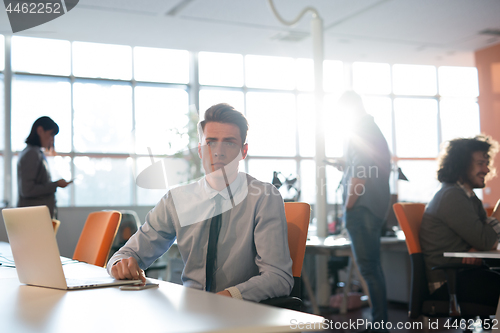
[
  {"x": 225, "y": 113},
  {"x": 456, "y": 157},
  {"x": 47, "y": 124}
]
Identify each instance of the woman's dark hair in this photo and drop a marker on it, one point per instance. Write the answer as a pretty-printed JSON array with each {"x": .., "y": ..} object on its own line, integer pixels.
[
  {"x": 456, "y": 157},
  {"x": 47, "y": 124},
  {"x": 225, "y": 113}
]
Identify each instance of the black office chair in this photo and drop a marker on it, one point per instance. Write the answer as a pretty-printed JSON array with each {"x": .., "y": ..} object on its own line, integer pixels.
[
  {"x": 128, "y": 226},
  {"x": 409, "y": 216}
]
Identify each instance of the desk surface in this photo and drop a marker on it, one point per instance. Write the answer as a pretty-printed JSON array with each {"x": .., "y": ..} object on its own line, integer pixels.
[
  {"x": 479, "y": 254},
  {"x": 169, "y": 308}
]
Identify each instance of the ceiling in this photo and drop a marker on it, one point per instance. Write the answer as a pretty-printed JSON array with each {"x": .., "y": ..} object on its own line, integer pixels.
[{"x": 437, "y": 32}]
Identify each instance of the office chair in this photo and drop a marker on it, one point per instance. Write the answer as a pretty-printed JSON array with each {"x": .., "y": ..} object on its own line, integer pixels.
[
  {"x": 409, "y": 216},
  {"x": 297, "y": 218},
  {"x": 97, "y": 236},
  {"x": 129, "y": 225},
  {"x": 55, "y": 225}
]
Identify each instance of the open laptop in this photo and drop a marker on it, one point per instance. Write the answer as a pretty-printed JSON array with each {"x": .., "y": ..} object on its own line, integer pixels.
[{"x": 36, "y": 255}]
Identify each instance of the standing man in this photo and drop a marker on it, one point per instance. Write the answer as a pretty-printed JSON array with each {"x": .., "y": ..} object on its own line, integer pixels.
[
  {"x": 230, "y": 228},
  {"x": 366, "y": 166},
  {"x": 455, "y": 221}
]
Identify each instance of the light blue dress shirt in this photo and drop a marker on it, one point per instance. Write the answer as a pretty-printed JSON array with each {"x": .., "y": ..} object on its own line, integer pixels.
[{"x": 252, "y": 252}]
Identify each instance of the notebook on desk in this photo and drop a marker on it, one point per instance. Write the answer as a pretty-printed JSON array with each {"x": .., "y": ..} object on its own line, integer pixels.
[{"x": 36, "y": 254}]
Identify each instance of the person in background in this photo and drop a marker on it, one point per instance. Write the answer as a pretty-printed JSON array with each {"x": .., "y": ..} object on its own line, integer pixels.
[
  {"x": 34, "y": 184},
  {"x": 366, "y": 195},
  {"x": 230, "y": 228},
  {"x": 455, "y": 221}
]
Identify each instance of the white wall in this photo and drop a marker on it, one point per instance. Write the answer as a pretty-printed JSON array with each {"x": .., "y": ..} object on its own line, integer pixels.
[{"x": 72, "y": 222}]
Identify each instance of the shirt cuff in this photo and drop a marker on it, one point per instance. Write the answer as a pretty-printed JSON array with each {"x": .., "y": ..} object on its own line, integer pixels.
[
  {"x": 235, "y": 293},
  {"x": 493, "y": 222}
]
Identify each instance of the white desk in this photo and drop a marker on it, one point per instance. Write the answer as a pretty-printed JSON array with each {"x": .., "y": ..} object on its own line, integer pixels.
[
  {"x": 339, "y": 246},
  {"x": 169, "y": 308},
  {"x": 478, "y": 254}
]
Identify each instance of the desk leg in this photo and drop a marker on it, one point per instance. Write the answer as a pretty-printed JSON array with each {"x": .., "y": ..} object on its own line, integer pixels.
[
  {"x": 310, "y": 293},
  {"x": 322, "y": 286},
  {"x": 497, "y": 317}
]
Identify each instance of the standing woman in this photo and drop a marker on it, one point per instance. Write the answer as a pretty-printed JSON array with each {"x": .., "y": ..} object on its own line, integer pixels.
[{"x": 35, "y": 186}]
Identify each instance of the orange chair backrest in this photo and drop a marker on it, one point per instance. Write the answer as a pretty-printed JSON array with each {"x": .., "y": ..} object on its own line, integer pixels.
[
  {"x": 297, "y": 218},
  {"x": 97, "y": 237},
  {"x": 409, "y": 216}
]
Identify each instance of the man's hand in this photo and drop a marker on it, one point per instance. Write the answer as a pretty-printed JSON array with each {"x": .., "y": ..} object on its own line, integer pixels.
[
  {"x": 472, "y": 261},
  {"x": 128, "y": 269},
  {"x": 224, "y": 293}
]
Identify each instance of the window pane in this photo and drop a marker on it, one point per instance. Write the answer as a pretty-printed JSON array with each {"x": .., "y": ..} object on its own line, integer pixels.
[
  {"x": 33, "y": 97},
  {"x": 176, "y": 173},
  {"x": 459, "y": 118},
  {"x": 305, "y": 74},
  {"x": 272, "y": 124},
  {"x": 414, "y": 80},
  {"x": 334, "y": 126},
  {"x": 102, "y": 60},
  {"x": 269, "y": 72},
  {"x": 103, "y": 117},
  {"x": 416, "y": 127},
  {"x": 2, "y": 53},
  {"x": 333, "y": 76},
  {"x": 52, "y": 56},
  {"x": 263, "y": 169},
  {"x": 307, "y": 124},
  {"x": 422, "y": 182},
  {"x": 458, "y": 81},
  {"x": 380, "y": 108},
  {"x": 220, "y": 69},
  {"x": 60, "y": 167},
  {"x": 209, "y": 97},
  {"x": 161, "y": 65},
  {"x": 161, "y": 120},
  {"x": 371, "y": 78},
  {"x": 103, "y": 181}
]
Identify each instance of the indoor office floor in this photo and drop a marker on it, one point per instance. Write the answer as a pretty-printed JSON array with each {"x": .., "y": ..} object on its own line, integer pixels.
[{"x": 398, "y": 313}]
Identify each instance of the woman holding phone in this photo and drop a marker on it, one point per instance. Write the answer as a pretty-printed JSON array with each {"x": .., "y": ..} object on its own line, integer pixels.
[{"x": 35, "y": 186}]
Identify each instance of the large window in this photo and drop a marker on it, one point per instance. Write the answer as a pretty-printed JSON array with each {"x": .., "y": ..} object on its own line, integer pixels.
[{"x": 123, "y": 109}]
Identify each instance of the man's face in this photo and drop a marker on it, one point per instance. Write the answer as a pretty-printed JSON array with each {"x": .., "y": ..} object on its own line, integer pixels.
[
  {"x": 221, "y": 148},
  {"x": 478, "y": 170}
]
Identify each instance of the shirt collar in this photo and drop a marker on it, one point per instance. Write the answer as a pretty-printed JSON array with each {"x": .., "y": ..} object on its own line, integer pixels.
[
  {"x": 470, "y": 194},
  {"x": 234, "y": 187}
]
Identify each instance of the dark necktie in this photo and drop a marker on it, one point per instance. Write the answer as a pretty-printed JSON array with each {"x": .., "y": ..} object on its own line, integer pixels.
[{"x": 213, "y": 239}]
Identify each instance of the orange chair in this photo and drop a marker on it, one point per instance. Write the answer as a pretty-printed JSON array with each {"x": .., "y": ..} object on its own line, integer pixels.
[
  {"x": 55, "y": 225},
  {"x": 298, "y": 215},
  {"x": 409, "y": 216},
  {"x": 97, "y": 237}
]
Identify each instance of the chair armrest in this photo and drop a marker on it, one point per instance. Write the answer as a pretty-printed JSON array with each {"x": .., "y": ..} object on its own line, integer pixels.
[{"x": 287, "y": 302}]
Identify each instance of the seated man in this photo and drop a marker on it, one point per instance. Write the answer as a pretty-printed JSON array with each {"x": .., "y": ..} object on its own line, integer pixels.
[
  {"x": 455, "y": 221},
  {"x": 241, "y": 253}
]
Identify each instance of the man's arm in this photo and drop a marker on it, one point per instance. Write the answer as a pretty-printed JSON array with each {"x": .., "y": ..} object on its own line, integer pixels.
[
  {"x": 460, "y": 215},
  {"x": 273, "y": 255},
  {"x": 355, "y": 189},
  {"x": 152, "y": 239}
]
